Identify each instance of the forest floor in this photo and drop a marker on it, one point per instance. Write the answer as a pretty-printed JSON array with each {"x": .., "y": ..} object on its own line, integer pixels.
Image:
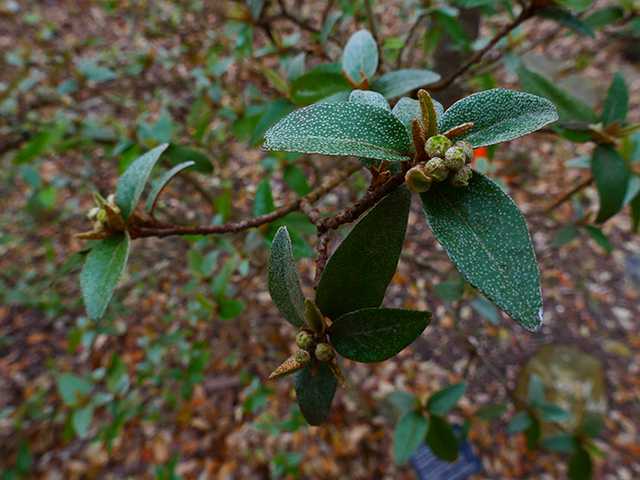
[{"x": 227, "y": 421}]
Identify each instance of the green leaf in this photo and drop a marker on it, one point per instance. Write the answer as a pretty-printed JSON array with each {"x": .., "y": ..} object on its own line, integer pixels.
[
  {"x": 369, "y": 98},
  {"x": 580, "y": 466},
  {"x": 277, "y": 110},
  {"x": 498, "y": 115},
  {"x": 553, "y": 413},
  {"x": 358, "y": 273},
  {"x": 491, "y": 411},
  {"x": 408, "y": 109},
  {"x": 403, "y": 401},
  {"x": 277, "y": 82},
  {"x": 398, "y": 83},
  {"x": 72, "y": 388},
  {"x": 577, "y": 5},
  {"x": 163, "y": 128},
  {"x": 341, "y": 129},
  {"x": 535, "y": 393},
  {"x": 485, "y": 308},
  {"x": 449, "y": 291},
  {"x": 566, "y": 235},
  {"x": 153, "y": 196},
  {"x": 360, "y": 56},
  {"x": 284, "y": 285},
  {"x": 24, "y": 461},
  {"x": 635, "y": 213},
  {"x": 117, "y": 377},
  {"x": 453, "y": 27},
  {"x": 568, "y": 106},
  {"x": 442, "y": 439},
  {"x": 593, "y": 425},
  {"x": 134, "y": 179},
  {"x": 566, "y": 18},
  {"x": 103, "y": 268},
  {"x": 231, "y": 308},
  {"x": 616, "y": 104},
  {"x": 611, "y": 175},
  {"x": 600, "y": 238},
  {"x": 520, "y": 422},
  {"x": 445, "y": 399},
  {"x": 602, "y": 18},
  {"x": 82, "y": 419},
  {"x": 296, "y": 180},
  {"x": 376, "y": 334},
  {"x": 315, "y": 392},
  {"x": 409, "y": 434},
  {"x": 263, "y": 201},
  {"x": 40, "y": 143},
  {"x": 564, "y": 442},
  {"x": 486, "y": 237},
  {"x": 533, "y": 434},
  {"x": 318, "y": 83}
]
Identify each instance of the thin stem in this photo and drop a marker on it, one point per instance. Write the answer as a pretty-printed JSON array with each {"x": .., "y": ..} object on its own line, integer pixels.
[
  {"x": 567, "y": 196},
  {"x": 412, "y": 32}
]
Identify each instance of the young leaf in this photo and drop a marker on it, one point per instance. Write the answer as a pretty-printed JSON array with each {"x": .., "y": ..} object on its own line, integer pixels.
[
  {"x": 498, "y": 115},
  {"x": 566, "y": 18},
  {"x": 358, "y": 273},
  {"x": 370, "y": 98},
  {"x": 72, "y": 388},
  {"x": 284, "y": 285},
  {"x": 376, "y": 334},
  {"x": 315, "y": 392},
  {"x": 360, "y": 56},
  {"x": 486, "y": 237},
  {"x": 157, "y": 189},
  {"x": 341, "y": 129},
  {"x": 568, "y": 106},
  {"x": 409, "y": 434},
  {"x": 103, "y": 268},
  {"x": 445, "y": 399},
  {"x": 442, "y": 439},
  {"x": 134, "y": 179},
  {"x": 612, "y": 176},
  {"x": 580, "y": 466},
  {"x": 398, "y": 83},
  {"x": 617, "y": 103},
  {"x": 319, "y": 83}
]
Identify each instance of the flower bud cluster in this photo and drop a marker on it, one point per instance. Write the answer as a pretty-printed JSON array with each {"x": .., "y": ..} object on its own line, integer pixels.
[{"x": 445, "y": 158}]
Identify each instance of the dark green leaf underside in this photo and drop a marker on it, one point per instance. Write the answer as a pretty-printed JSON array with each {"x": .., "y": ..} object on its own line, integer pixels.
[
  {"x": 315, "y": 393},
  {"x": 486, "y": 237}
]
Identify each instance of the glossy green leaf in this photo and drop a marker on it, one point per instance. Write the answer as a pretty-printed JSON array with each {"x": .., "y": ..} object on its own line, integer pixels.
[
  {"x": 599, "y": 237},
  {"x": 409, "y": 434},
  {"x": 358, "y": 273},
  {"x": 520, "y": 422},
  {"x": 263, "y": 201},
  {"x": 491, "y": 411},
  {"x": 315, "y": 392},
  {"x": 177, "y": 155},
  {"x": 72, "y": 388},
  {"x": 486, "y": 237},
  {"x": 103, "y": 268},
  {"x": 616, "y": 104},
  {"x": 284, "y": 285},
  {"x": 82, "y": 419},
  {"x": 398, "y": 83},
  {"x": 370, "y": 98},
  {"x": 319, "y": 83},
  {"x": 568, "y": 106},
  {"x": 341, "y": 129},
  {"x": 445, "y": 399},
  {"x": 360, "y": 56},
  {"x": 612, "y": 176},
  {"x": 498, "y": 115},
  {"x": 565, "y": 18},
  {"x": 376, "y": 334},
  {"x": 580, "y": 466},
  {"x": 564, "y": 442},
  {"x": 134, "y": 179},
  {"x": 442, "y": 439},
  {"x": 277, "y": 110},
  {"x": 153, "y": 196}
]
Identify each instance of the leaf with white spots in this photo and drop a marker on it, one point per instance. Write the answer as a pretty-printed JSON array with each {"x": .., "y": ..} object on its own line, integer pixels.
[
  {"x": 407, "y": 109},
  {"x": 360, "y": 56},
  {"x": 485, "y": 235},
  {"x": 354, "y": 129},
  {"x": 370, "y": 98},
  {"x": 499, "y": 115}
]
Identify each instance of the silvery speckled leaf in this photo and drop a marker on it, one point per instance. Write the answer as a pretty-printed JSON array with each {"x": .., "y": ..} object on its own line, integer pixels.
[
  {"x": 283, "y": 282},
  {"x": 487, "y": 239},
  {"x": 407, "y": 109},
  {"x": 370, "y": 98},
  {"x": 499, "y": 115},
  {"x": 353, "y": 129},
  {"x": 360, "y": 56},
  {"x": 394, "y": 84}
]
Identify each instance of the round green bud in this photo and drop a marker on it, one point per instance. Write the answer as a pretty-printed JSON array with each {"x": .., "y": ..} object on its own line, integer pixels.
[
  {"x": 324, "y": 352},
  {"x": 436, "y": 169},
  {"x": 468, "y": 150},
  {"x": 303, "y": 357},
  {"x": 304, "y": 340},
  {"x": 455, "y": 158},
  {"x": 461, "y": 177},
  {"x": 417, "y": 180},
  {"x": 437, "y": 145}
]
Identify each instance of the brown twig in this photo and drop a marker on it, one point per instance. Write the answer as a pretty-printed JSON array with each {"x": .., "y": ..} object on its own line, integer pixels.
[
  {"x": 412, "y": 32},
  {"x": 322, "y": 256},
  {"x": 567, "y": 196}
]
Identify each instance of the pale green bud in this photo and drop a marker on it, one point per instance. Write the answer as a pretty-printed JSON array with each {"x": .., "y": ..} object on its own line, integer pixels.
[
  {"x": 461, "y": 177},
  {"x": 304, "y": 340},
  {"x": 417, "y": 180},
  {"x": 436, "y": 169},
  {"x": 324, "y": 352},
  {"x": 468, "y": 150},
  {"x": 455, "y": 158},
  {"x": 437, "y": 145}
]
